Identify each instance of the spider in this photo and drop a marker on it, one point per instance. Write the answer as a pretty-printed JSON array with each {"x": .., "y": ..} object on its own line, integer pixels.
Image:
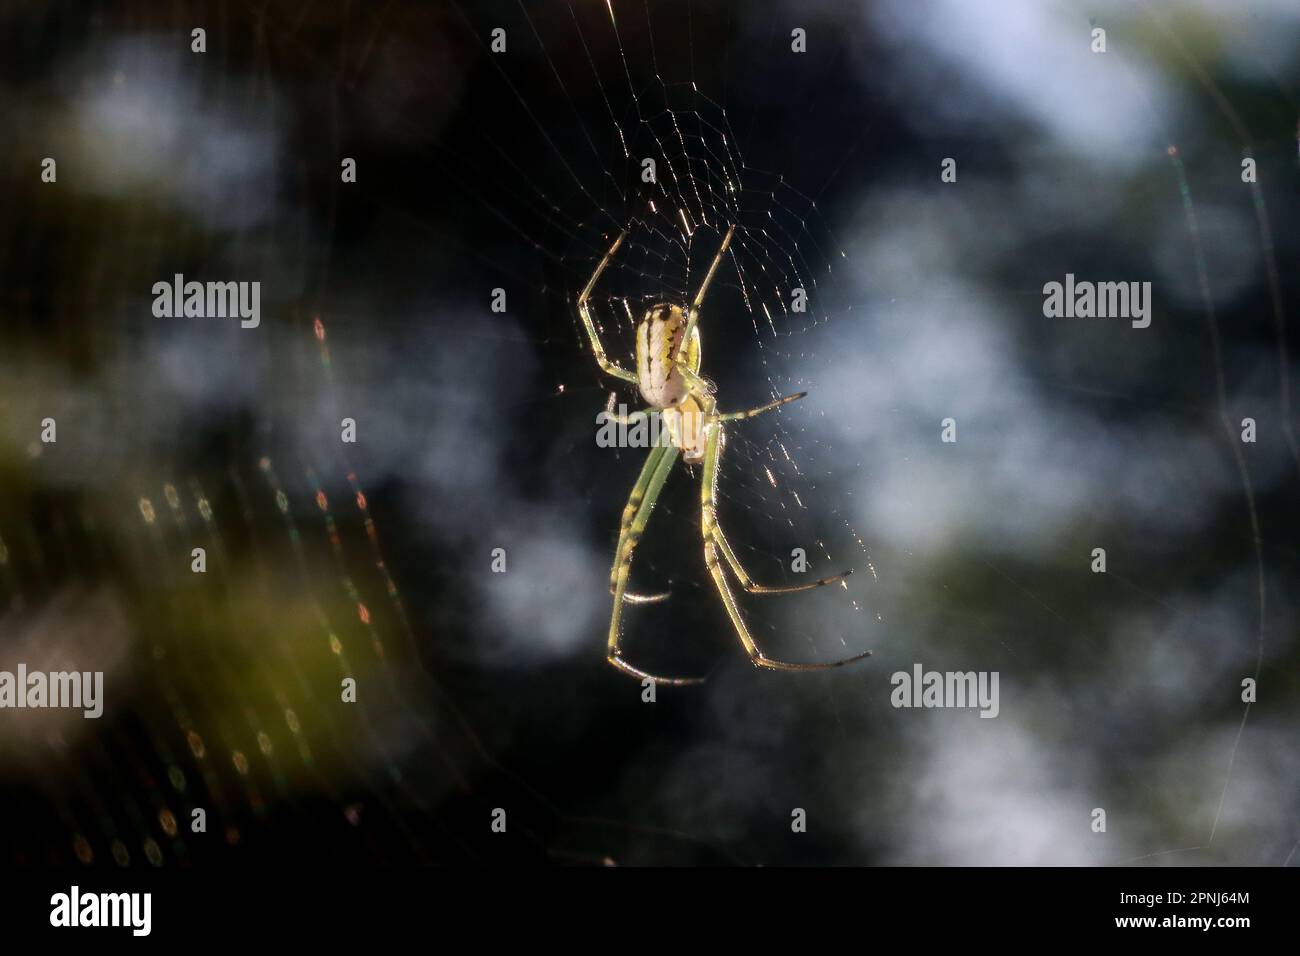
[{"x": 668, "y": 376}]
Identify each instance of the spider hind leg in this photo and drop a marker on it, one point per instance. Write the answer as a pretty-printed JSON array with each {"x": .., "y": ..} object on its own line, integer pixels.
[
  {"x": 750, "y": 585},
  {"x": 714, "y": 543},
  {"x": 636, "y": 515}
]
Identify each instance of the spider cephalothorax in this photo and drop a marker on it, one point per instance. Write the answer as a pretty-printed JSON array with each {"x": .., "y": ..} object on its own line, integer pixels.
[{"x": 667, "y": 374}]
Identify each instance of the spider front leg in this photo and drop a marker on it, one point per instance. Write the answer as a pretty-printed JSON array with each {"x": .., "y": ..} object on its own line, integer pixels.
[
  {"x": 693, "y": 315},
  {"x": 597, "y": 349},
  {"x": 636, "y": 515},
  {"x": 711, "y": 533}
]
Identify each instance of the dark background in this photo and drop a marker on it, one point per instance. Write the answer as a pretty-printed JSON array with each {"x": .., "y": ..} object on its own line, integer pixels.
[{"x": 477, "y": 691}]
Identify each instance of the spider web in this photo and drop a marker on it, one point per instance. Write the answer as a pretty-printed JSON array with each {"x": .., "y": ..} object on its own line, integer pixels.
[
  {"x": 677, "y": 180},
  {"x": 751, "y": 324}
]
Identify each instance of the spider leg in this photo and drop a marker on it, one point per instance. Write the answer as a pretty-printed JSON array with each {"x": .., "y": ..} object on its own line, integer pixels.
[
  {"x": 748, "y": 583},
  {"x": 624, "y": 419},
  {"x": 597, "y": 349},
  {"x": 721, "y": 540},
  {"x": 630, "y": 510},
  {"x": 694, "y": 314},
  {"x": 697, "y": 386},
  {"x": 750, "y": 413},
  {"x": 641, "y": 502},
  {"x": 632, "y": 597},
  {"x": 708, "y": 276},
  {"x": 708, "y": 526}
]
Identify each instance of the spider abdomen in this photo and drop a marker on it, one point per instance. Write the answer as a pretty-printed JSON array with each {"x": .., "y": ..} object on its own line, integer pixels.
[{"x": 658, "y": 338}]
